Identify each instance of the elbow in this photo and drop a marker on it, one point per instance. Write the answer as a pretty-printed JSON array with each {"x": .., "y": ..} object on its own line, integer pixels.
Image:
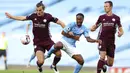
[
  {"x": 77, "y": 39},
  {"x": 88, "y": 40},
  {"x": 62, "y": 32}
]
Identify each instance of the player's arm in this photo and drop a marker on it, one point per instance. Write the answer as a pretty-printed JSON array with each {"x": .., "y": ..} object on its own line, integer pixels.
[
  {"x": 69, "y": 35},
  {"x": 94, "y": 27},
  {"x": 98, "y": 23},
  {"x": 21, "y": 18},
  {"x": 92, "y": 40},
  {"x": 120, "y": 32},
  {"x": 60, "y": 23},
  {"x": 86, "y": 35},
  {"x": 120, "y": 29},
  {"x": 56, "y": 20}
]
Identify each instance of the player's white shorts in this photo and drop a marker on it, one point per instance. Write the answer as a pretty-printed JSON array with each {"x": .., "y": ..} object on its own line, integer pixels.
[{"x": 69, "y": 49}]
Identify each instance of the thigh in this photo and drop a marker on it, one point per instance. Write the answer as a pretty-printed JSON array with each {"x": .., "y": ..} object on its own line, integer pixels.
[
  {"x": 39, "y": 48},
  {"x": 69, "y": 49},
  {"x": 40, "y": 56},
  {"x": 102, "y": 54},
  {"x": 3, "y": 53},
  {"x": 111, "y": 50},
  {"x": 110, "y": 60},
  {"x": 102, "y": 49},
  {"x": 102, "y": 46},
  {"x": 48, "y": 44},
  {"x": 77, "y": 57}
]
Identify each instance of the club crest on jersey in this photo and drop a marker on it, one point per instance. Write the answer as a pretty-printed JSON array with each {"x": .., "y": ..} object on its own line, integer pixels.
[
  {"x": 113, "y": 19},
  {"x": 103, "y": 19},
  {"x": 44, "y": 20}
]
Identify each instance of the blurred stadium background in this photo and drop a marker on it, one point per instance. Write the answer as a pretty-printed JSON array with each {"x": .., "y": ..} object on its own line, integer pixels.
[{"x": 18, "y": 54}]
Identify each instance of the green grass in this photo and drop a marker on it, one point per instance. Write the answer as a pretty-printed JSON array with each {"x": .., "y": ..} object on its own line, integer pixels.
[{"x": 35, "y": 71}]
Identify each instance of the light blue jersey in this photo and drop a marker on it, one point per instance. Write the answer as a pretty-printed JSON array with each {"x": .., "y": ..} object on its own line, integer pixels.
[{"x": 72, "y": 27}]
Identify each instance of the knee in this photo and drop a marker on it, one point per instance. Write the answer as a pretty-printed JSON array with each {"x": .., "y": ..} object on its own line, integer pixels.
[
  {"x": 102, "y": 57},
  {"x": 110, "y": 64},
  {"x": 58, "y": 45},
  {"x": 58, "y": 54},
  {"x": 80, "y": 61},
  {"x": 41, "y": 61}
]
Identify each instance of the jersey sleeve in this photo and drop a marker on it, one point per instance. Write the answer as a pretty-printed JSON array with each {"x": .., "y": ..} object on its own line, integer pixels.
[
  {"x": 119, "y": 22},
  {"x": 68, "y": 27},
  {"x": 53, "y": 19},
  {"x": 98, "y": 21},
  {"x": 29, "y": 17},
  {"x": 86, "y": 32}
]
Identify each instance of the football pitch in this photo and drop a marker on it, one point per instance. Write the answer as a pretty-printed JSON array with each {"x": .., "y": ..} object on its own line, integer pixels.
[{"x": 35, "y": 71}]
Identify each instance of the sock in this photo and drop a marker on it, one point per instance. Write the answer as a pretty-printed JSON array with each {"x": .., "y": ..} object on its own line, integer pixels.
[
  {"x": 77, "y": 68},
  {"x": 51, "y": 51},
  {"x": 100, "y": 65},
  {"x": 5, "y": 64},
  {"x": 39, "y": 65},
  {"x": 32, "y": 57},
  {"x": 56, "y": 60}
]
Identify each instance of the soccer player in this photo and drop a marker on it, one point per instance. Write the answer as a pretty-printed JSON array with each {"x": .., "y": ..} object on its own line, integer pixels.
[
  {"x": 3, "y": 48},
  {"x": 109, "y": 22},
  {"x": 71, "y": 34},
  {"x": 42, "y": 40}
]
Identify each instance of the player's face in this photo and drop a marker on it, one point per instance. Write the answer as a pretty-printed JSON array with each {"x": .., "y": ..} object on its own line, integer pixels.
[
  {"x": 39, "y": 11},
  {"x": 79, "y": 20},
  {"x": 107, "y": 7}
]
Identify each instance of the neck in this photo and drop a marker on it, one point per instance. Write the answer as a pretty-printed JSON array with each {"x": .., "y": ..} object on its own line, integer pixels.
[{"x": 109, "y": 13}]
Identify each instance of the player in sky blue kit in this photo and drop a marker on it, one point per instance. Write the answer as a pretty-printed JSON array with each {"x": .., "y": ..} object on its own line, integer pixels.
[{"x": 71, "y": 33}]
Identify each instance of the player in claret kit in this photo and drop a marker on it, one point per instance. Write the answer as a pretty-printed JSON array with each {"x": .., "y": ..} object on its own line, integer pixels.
[
  {"x": 42, "y": 40},
  {"x": 109, "y": 22}
]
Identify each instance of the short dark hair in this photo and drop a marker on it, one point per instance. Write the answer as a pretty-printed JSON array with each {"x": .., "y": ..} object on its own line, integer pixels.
[
  {"x": 110, "y": 2},
  {"x": 41, "y": 4},
  {"x": 81, "y": 14}
]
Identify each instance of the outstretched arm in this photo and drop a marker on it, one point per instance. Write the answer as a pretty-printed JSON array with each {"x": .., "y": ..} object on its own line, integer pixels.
[
  {"x": 97, "y": 24},
  {"x": 21, "y": 18},
  {"x": 70, "y": 35},
  {"x": 94, "y": 27},
  {"x": 61, "y": 23},
  {"x": 93, "y": 40}
]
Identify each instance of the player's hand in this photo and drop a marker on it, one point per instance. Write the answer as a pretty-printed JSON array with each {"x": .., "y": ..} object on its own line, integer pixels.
[
  {"x": 119, "y": 34},
  {"x": 71, "y": 33},
  {"x": 8, "y": 15},
  {"x": 99, "y": 41}
]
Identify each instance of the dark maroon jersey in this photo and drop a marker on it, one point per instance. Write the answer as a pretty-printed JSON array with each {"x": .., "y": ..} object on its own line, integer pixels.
[
  {"x": 41, "y": 25},
  {"x": 108, "y": 26}
]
